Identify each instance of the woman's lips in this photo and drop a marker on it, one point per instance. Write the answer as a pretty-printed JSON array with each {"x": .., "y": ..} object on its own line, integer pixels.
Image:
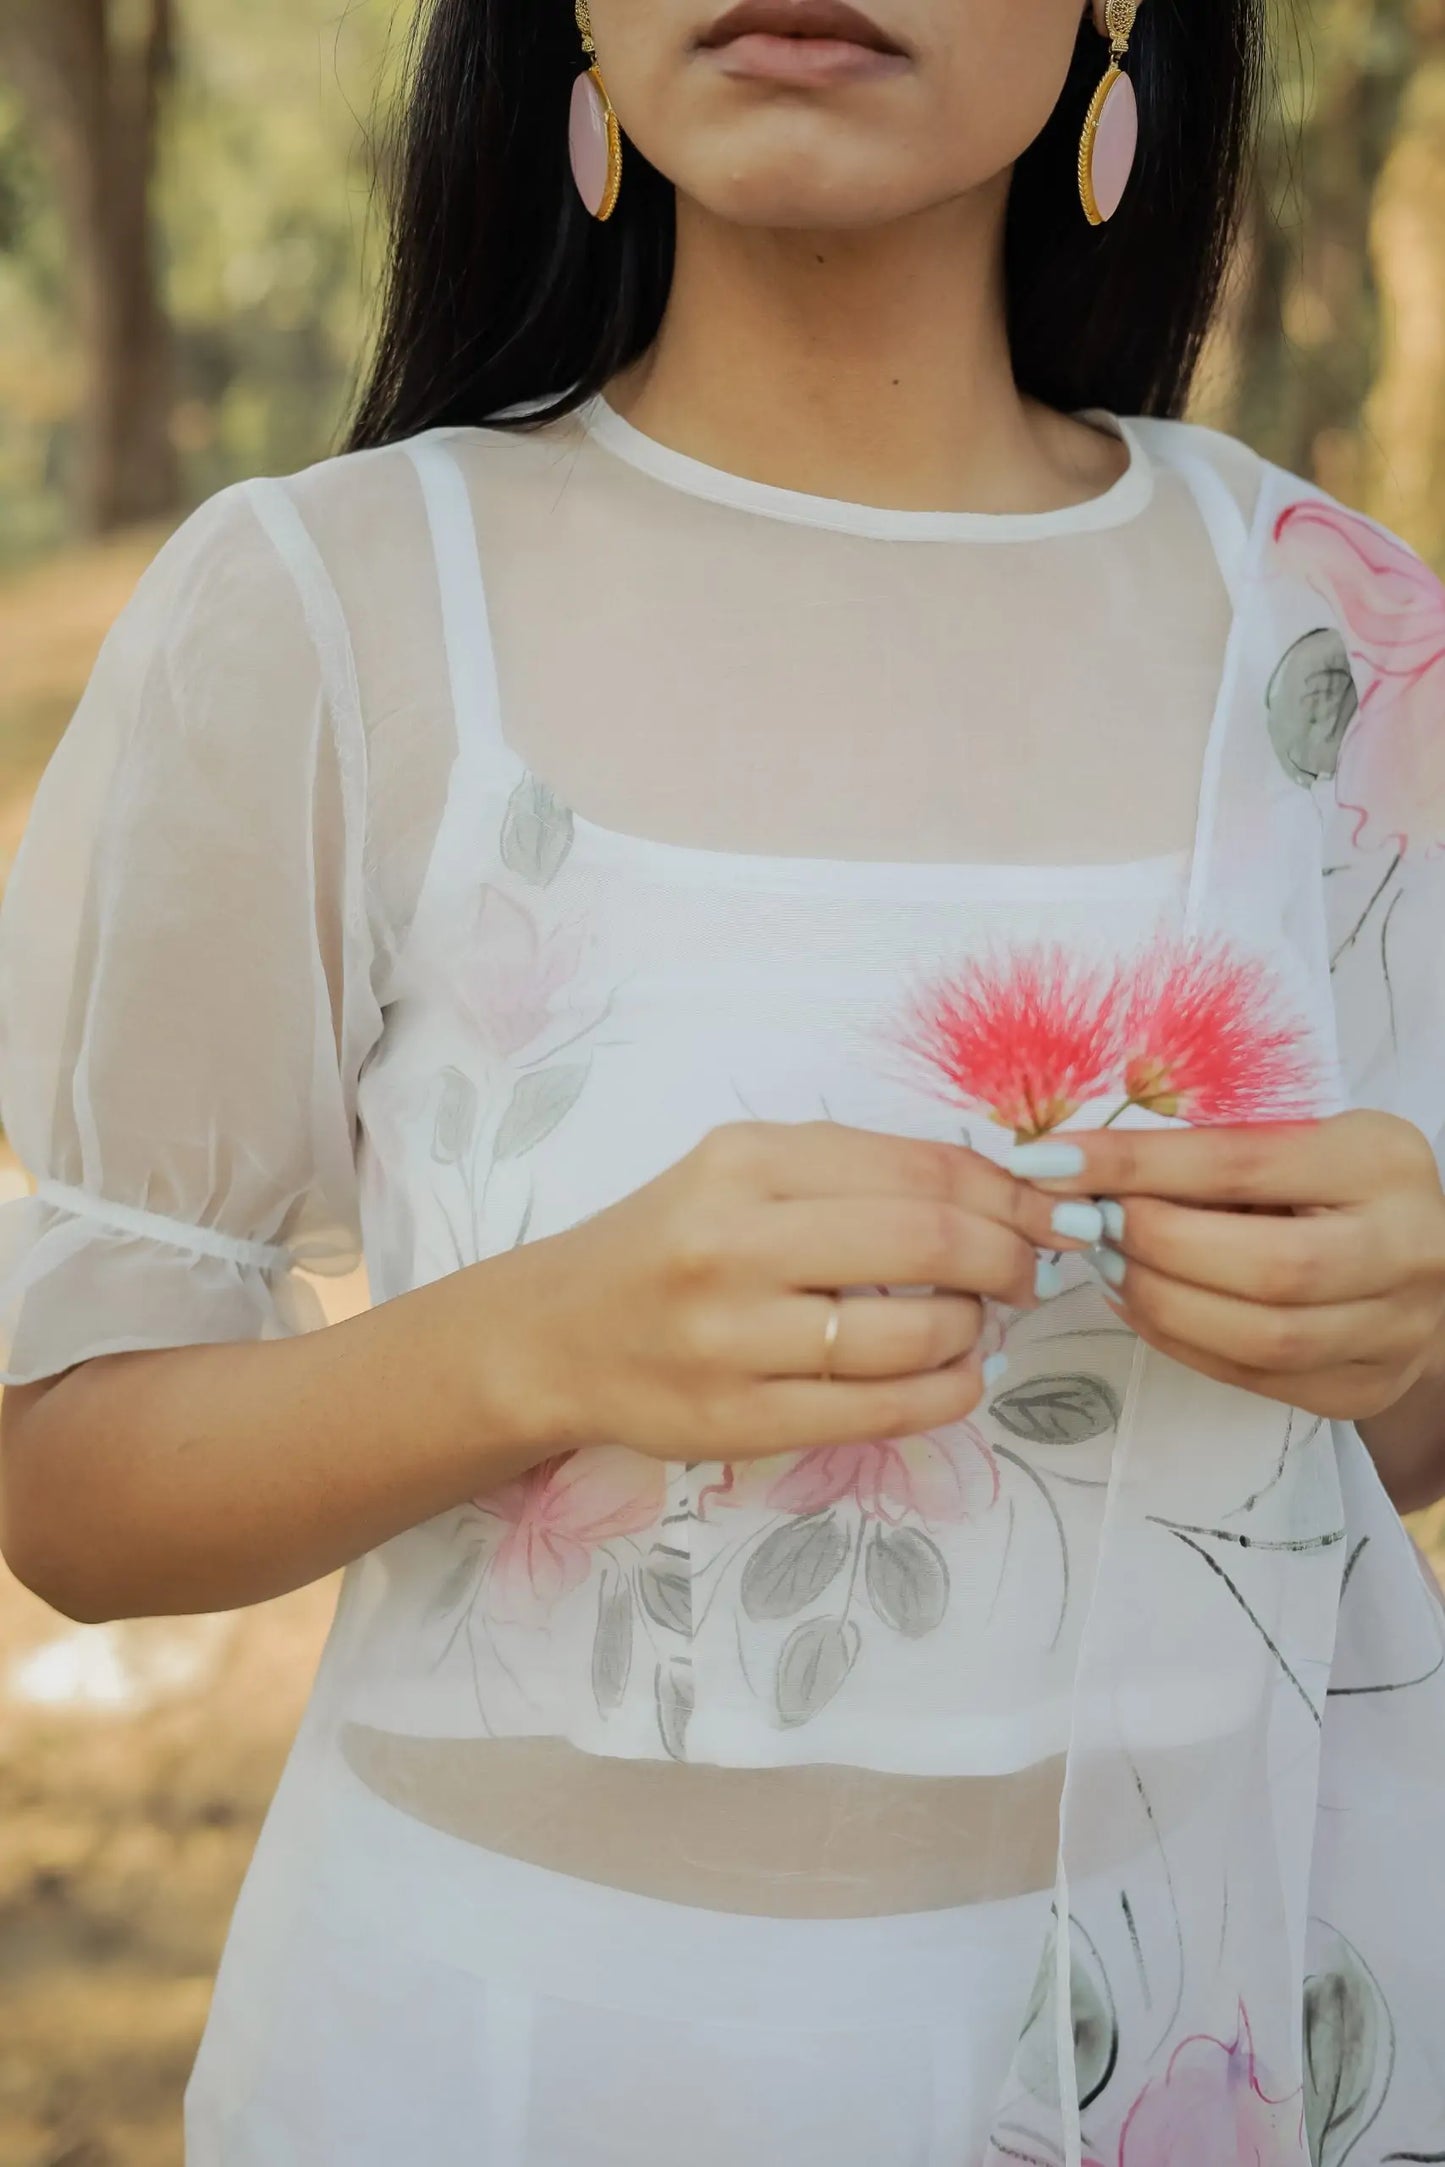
[
  {"x": 802, "y": 42},
  {"x": 761, "y": 56}
]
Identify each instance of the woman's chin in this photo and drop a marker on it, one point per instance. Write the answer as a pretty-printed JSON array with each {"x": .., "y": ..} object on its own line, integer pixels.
[{"x": 796, "y": 189}]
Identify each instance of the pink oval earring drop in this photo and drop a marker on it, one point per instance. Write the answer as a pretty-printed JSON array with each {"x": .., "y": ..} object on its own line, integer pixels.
[
  {"x": 1111, "y": 125},
  {"x": 593, "y": 136}
]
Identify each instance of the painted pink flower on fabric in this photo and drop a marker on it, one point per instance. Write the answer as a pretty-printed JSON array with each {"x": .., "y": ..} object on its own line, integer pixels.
[
  {"x": 948, "y": 1476},
  {"x": 1212, "y": 2106},
  {"x": 1391, "y": 771},
  {"x": 557, "y": 1515},
  {"x": 1027, "y": 1038},
  {"x": 514, "y": 973},
  {"x": 1207, "y": 1038}
]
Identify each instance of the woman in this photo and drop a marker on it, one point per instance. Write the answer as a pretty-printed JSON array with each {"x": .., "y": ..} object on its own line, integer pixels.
[{"x": 759, "y": 846}]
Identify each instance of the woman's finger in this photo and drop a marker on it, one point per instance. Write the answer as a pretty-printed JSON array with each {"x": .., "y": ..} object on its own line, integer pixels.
[
  {"x": 799, "y": 1414},
  {"x": 895, "y": 1241},
  {"x": 1346, "y": 1392},
  {"x": 1258, "y": 1336},
  {"x": 829, "y": 1160},
  {"x": 894, "y": 1335},
  {"x": 1331, "y": 1256},
  {"x": 1347, "y": 1159}
]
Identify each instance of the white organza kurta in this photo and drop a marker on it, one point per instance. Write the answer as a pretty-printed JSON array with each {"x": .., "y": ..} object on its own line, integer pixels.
[{"x": 450, "y": 837}]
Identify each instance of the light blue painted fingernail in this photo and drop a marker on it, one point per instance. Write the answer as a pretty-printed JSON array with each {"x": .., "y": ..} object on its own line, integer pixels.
[
  {"x": 1078, "y": 1222},
  {"x": 1046, "y": 1161},
  {"x": 1113, "y": 1217},
  {"x": 1048, "y": 1279},
  {"x": 1109, "y": 1265},
  {"x": 994, "y": 1368}
]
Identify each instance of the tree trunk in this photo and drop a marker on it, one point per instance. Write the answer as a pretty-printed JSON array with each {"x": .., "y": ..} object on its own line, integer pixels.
[
  {"x": 1405, "y": 414},
  {"x": 93, "y": 73},
  {"x": 1310, "y": 321}
]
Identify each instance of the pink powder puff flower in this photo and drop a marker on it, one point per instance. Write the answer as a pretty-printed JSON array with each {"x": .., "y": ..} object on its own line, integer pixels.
[
  {"x": 556, "y": 1515},
  {"x": 1207, "y": 1038},
  {"x": 1391, "y": 772},
  {"x": 1026, "y": 1038},
  {"x": 948, "y": 1475},
  {"x": 512, "y": 973},
  {"x": 1210, "y": 2106}
]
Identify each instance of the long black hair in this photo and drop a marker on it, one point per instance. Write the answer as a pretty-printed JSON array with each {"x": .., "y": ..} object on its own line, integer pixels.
[{"x": 501, "y": 289}]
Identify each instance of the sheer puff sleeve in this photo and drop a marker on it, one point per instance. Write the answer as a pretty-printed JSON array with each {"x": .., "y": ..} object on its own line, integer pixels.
[{"x": 185, "y": 981}]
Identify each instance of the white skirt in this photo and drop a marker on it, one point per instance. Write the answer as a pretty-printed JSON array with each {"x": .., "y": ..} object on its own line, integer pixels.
[{"x": 419, "y": 2002}]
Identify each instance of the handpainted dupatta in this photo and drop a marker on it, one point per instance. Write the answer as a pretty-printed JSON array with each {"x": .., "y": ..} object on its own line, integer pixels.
[{"x": 1252, "y": 1962}]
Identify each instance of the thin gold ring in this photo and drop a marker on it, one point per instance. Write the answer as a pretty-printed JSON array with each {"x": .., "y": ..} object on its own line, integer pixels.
[{"x": 830, "y": 1335}]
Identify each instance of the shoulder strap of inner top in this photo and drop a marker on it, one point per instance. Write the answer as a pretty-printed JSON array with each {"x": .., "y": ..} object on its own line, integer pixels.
[
  {"x": 471, "y": 662},
  {"x": 1226, "y": 523}
]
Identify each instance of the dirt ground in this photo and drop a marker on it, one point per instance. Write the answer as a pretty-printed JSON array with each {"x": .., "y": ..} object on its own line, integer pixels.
[{"x": 135, "y": 1765}]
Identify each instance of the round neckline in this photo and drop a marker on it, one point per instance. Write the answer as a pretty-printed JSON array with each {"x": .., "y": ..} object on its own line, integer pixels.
[{"x": 1122, "y": 501}]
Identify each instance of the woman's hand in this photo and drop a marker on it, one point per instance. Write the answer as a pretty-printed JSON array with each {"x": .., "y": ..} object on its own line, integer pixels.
[
  {"x": 686, "y": 1321},
  {"x": 1304, "y": 1262}
]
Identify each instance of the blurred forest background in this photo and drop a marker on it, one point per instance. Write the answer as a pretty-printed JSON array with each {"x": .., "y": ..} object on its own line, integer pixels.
[
  {"x": 187, "y": 244},
  {"x": 184, "y": 217}
]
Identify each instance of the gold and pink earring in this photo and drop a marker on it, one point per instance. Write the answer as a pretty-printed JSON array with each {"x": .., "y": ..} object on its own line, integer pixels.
[
  {"x": 593, "y": 136},
  {"x": 1111, "y": 125}
]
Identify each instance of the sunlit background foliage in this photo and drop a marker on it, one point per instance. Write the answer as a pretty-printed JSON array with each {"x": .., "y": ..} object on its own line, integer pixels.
[{"x": 262, "y": 206}]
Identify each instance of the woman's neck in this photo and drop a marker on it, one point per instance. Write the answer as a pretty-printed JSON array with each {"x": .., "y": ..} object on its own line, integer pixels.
[{"x": 871, "y": 366}]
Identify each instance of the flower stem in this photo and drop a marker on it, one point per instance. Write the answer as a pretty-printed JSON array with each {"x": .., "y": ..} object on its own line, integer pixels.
[{"x": 1359, "y": 926}]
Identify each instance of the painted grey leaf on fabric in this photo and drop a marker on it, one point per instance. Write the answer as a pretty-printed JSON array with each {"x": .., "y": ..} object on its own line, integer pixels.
[
  {"x": 793, "y": 1565},
  {"x": 1349, "y": 2051},
  {"x": 674, "y": 1691},
  {"x": 456, "y": 1587},
  {"x": 1037, "y": 2061},
  {"x": 664, "y": 1581},
  {"x": 1096, "y": 2027},
  {"x": 1310, "y": 701},
  {"x": 1095, "y": 2024},
  {"x": 815, "y": 1661},
  {"x": 540, "y": 1101},
  {"x": 612, "y": 1643},
  {"x": 907, "y": 1580},
  {"x": 536, "y": 831},
  {"x": 456, "y": 1119},
  {"x": 1058, "y": 1410}
]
